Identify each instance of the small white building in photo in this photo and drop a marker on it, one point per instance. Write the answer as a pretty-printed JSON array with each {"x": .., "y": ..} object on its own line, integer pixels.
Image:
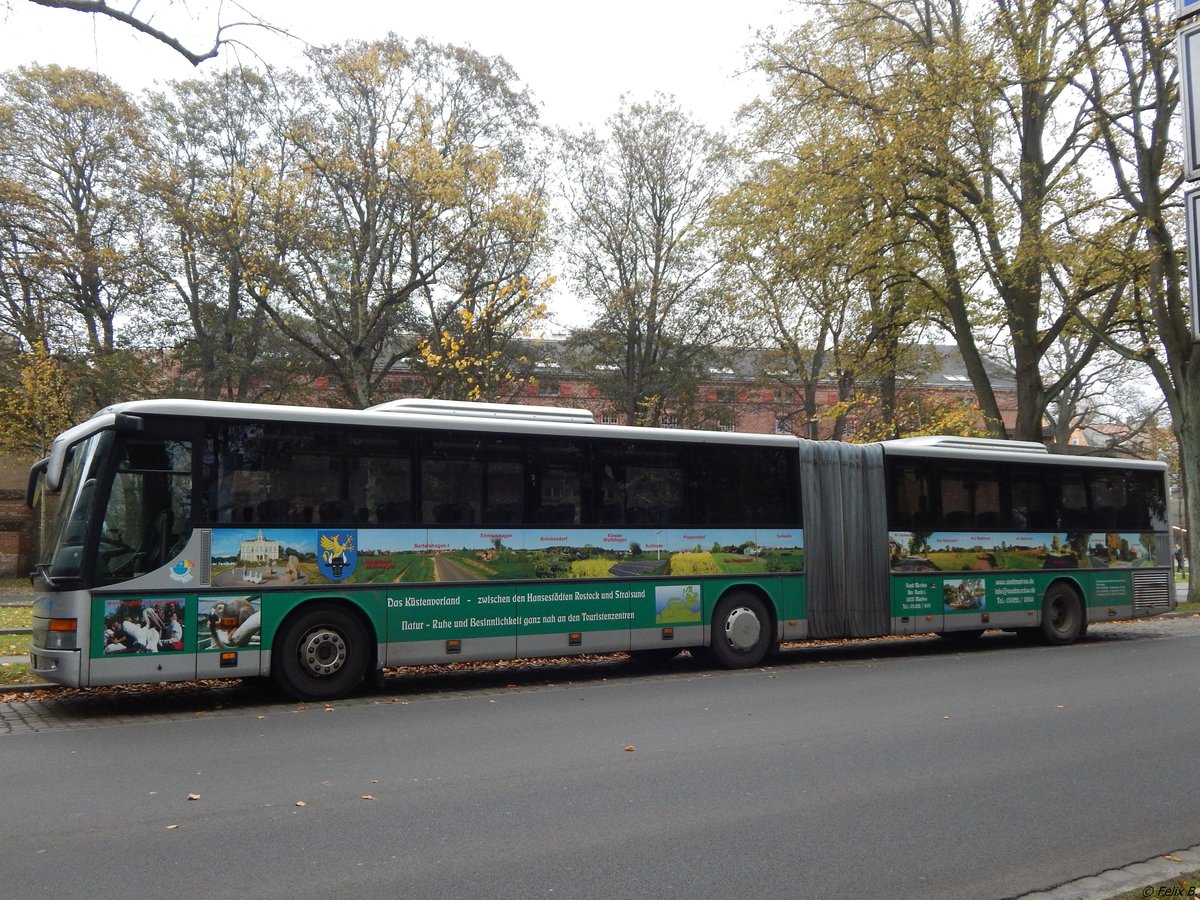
[{"x": 259, "y": 550}]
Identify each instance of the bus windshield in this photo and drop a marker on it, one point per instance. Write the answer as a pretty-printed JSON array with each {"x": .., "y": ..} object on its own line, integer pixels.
[
  {"x": 62, "y": 549},
  {"x": 146, "y": 517}
]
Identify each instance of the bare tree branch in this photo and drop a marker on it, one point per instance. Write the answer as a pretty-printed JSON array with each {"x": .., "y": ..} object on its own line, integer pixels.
[{"x": 101, "y": 8}]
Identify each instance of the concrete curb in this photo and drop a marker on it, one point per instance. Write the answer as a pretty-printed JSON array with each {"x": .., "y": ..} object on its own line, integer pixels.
[
  {"x": 1134, "y": 877},
  {"x": 27, "y": 688}
]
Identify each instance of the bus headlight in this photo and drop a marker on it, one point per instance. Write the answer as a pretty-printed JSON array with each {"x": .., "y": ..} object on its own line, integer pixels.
[{"x": 61, "y": 634}]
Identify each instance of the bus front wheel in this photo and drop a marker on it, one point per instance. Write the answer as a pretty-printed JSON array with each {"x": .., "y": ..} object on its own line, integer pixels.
[
  {"x": 321, "y": 654},
  {"x": 1063, "y": 618},
  {"x": 741, "y": 630}
]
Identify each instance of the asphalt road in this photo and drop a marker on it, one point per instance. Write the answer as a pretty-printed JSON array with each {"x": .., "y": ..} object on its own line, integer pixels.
[{"x": 899, "y": 768}]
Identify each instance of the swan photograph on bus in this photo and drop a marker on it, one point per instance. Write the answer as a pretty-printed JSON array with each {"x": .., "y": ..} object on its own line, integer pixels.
[{"x": 314, "y": 546}]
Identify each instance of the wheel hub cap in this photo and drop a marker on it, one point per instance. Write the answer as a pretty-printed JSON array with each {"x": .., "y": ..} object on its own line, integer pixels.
[
  {"x": 742, "y": 629},
  {"x": 323, "y": 652}
]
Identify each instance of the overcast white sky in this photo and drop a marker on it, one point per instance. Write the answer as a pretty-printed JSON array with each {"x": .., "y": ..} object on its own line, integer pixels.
[{"x": 578, "y": 58}]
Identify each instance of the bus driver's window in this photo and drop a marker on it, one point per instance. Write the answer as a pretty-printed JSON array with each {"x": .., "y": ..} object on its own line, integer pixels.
[{"x": 148, "y": 518}]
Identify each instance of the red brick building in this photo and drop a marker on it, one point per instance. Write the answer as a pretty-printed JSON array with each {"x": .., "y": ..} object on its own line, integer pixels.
[{"x": 739, "y": 396}]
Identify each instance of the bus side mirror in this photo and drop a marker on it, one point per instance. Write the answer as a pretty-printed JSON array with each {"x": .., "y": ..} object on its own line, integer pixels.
[{"x": 36, "y": 471}]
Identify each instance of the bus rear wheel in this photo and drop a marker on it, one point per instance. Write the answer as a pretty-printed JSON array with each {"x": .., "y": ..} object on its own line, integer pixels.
[
  {"x": 741, "y": 630},
  {"x": 321, "y": 654},
  {"x": 1063, "y": 618}
]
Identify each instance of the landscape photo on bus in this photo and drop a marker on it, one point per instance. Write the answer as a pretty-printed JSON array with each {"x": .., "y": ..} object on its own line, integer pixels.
[{"x": 203, "y": 540}]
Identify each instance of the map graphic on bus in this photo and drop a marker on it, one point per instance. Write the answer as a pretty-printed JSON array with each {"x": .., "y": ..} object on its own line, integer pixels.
[{"x": 677, "y": 604}]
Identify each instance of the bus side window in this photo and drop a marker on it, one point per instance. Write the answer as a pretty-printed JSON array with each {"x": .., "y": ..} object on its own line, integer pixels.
[
  {"x": 1073, "y": 502},
  {"x": 451, "y": 480},
  {"x": 558, "y": 482},
  {"x": 643, "y": 483},
  {"x": 913, "y": 501},
  {"x": 149, "y": 514},
  {"x": 1146, "y": 504}
]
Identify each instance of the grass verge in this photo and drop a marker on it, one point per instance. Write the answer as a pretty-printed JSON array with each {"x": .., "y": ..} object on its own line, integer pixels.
[
  {"x": 15, "y": 645},
  {"x": 16, "y": 674},
  {"x": 15, "y": 586},
  {"x": 15, "y": 617}
]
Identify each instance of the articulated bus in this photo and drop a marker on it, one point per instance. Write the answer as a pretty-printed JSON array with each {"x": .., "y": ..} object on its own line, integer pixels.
[{"x": 203, "y": 540}]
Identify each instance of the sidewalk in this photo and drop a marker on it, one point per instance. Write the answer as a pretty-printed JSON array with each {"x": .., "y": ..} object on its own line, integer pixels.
[{"x": 1135, "y": 877}]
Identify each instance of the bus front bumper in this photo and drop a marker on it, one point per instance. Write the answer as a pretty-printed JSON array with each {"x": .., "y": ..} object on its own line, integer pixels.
[{"x": 56, "y": 666}]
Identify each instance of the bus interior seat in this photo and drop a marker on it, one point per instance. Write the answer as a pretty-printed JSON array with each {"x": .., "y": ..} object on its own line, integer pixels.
[
  {"x": 274, "y": 510},
  {"x": 990, "y": 520},
  {"x": 555, "y": 514},
  {"x": 675, "y": 515},
  {"x": 452, "y": 513},
  {"x": 336, "y": 511},
  {"x": 922, "y": 520},
  {"x": 958, "y": 520},
  {"x": 615, "y": 513},
  {"x": 1072, "y": 518},
  {"x": 394, "y": 512},
  {"x": 1135, "y": 517},
  {"x": 300, "y": 514},
  {"x": 503, "y": 514}
]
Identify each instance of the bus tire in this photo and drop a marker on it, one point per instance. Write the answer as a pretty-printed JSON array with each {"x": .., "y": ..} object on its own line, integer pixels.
[
  {"x": 321, "y": 654},
  {"x": 1063, "y": 618},
  {"x": 741, "y": 630}
]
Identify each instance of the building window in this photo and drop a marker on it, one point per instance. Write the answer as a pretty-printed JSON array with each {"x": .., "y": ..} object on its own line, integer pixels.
[
  {"x": 670, "y": 420},
  {"x": 548, "y": 388},
  {"x": 783, "y": 425},
  {"x": 609, "y": 418},
  {"x": 725, "y": 426}
]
